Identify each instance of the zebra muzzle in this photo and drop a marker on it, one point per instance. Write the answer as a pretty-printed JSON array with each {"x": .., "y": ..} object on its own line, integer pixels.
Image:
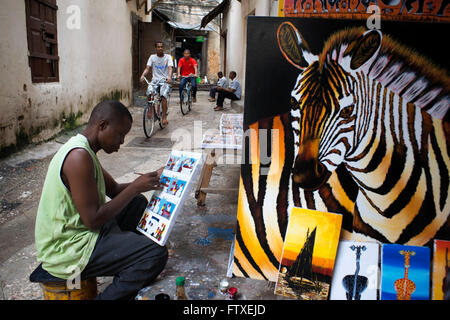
[{"x": 308, "y": 172}]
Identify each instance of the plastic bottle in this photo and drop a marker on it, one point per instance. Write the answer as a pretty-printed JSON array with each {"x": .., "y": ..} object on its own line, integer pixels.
[{"x": 180, "y": 293}]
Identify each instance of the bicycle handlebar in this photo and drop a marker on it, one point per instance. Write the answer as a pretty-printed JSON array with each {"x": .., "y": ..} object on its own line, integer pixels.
[{"x": 161, "y": 80}]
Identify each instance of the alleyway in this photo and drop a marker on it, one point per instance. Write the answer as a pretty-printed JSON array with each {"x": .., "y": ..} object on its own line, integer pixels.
[{"x": 195, "y": 251}]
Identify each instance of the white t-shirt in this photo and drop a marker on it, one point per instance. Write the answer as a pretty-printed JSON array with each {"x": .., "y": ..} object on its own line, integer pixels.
[{"x": 160, "y": 66}]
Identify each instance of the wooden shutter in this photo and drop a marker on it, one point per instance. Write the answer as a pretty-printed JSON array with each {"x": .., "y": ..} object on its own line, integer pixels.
[{"x": 42, "y": 40}]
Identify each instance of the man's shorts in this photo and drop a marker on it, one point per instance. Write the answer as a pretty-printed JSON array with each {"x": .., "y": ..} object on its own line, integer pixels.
[{"x": 162, "y": 86}]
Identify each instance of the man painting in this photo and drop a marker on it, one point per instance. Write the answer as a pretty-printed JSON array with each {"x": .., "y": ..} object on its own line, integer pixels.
[{"x": 77, "y": 231}]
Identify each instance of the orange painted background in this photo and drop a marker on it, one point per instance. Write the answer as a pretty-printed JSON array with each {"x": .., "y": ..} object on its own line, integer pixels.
[{"x": 405, "y": 10}]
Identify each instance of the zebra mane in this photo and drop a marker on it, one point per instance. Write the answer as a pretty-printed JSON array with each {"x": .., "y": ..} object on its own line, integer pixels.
[{"x": 413, "y": 69}]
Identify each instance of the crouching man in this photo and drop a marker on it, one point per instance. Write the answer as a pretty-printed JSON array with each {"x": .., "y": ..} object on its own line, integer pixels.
[{"x": 78, "y": 231}]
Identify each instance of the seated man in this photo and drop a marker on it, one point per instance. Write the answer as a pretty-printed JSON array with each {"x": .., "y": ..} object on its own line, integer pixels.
[
  {"x": 222, "y": 83},
  {"x": 233, "y": 92},
  {"x": 188, "y": 71},
  {"x": 77, "y": 231}
]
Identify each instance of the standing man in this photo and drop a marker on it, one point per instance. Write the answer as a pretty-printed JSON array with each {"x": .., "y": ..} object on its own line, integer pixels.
[
  {"x": 188, "y": 70},
  {"x": 233, "y": 92},
  {"x": 80, "y": 234},
  {"x": 161, "y": 65},
  {"x": 222, "y": 83}
]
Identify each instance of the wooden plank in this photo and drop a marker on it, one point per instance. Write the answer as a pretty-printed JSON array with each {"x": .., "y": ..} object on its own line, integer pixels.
[
  {"x": 205, "y": 177},
  {"x": 215, "y": 190}
]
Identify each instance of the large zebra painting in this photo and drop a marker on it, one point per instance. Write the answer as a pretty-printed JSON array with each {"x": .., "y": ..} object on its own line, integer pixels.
[{"x": 367, "y": 136}]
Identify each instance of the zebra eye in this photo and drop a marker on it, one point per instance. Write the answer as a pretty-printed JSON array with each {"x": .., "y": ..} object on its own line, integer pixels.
[
  {"x": 293, "y": 102},
  {"x": 346, "y": 112}
]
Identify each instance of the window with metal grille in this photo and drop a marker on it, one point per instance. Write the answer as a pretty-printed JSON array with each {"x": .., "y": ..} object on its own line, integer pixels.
[{"x": 42, "y": 40}]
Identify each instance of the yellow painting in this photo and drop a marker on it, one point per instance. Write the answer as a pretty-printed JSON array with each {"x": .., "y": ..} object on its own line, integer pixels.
[
  {"x": 308, "y": 255},
  {"x": 441, "y": 262}
]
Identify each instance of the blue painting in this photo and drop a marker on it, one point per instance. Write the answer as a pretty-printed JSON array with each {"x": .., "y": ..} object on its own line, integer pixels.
[{"x": 405, "y": 273}]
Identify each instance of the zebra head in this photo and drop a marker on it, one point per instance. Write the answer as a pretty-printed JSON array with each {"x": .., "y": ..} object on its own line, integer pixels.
[{"x": 324, "y": 108}]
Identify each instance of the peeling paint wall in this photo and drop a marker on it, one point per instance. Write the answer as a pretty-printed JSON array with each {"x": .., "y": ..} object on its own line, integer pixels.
[
  {"x": 95, "y": 64},
  {"x": 213, "y": 64}
]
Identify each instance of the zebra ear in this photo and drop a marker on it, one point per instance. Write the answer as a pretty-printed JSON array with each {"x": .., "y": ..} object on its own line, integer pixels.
[
  {"x": 364, "y": 48},
  {"x": 292, "y": 45}
]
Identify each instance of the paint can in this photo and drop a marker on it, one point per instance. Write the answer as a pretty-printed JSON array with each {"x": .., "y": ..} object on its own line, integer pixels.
[
  {"x": 223, "y": 286},
  {"x": 232, "y": 293}
]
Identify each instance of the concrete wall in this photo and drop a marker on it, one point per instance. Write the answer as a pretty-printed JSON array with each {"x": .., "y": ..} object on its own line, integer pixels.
[
  {"x": 235, "y": 25},
  {"x": 95, "y": 64},
  {"x": 213, "y": 64}
]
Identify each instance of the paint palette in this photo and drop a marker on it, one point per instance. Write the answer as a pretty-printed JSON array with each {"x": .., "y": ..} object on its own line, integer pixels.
[{"x": 164, "y": 206}]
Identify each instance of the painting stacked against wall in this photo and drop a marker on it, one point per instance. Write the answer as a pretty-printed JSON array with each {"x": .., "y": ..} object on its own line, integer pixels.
[
  {"x": 352, "y": 121},
  {"x": 405, "y": 272},
  {"x": 440, "y": 270},
  {"x": 355, "y": 275},
  {"x": 308, "y": 256},
  {"x": 411, "y": 10}
]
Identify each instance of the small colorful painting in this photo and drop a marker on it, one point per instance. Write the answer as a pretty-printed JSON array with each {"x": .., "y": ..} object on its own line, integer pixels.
[
  {"x": 177, "y": 187},
  {"x": 355, "y": 275},
  {"x": 160, "y": 231},
  {"x": 165, "y": 182},
  {"x": 154, "y": 203},
  {"x": 172, "y": 163},
  {"x": 308, "y": 254},
  {"x": 405, "y": 272},
  {"x": 152, "y": 225},
  {"x": 187, "y": 164},
  {"x": 143, "y": 222},
  {"x": 441, "y": 268},
  {"x": 166, "y": 209}
]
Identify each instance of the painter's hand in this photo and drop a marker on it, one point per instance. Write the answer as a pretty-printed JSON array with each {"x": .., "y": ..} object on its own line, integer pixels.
[
  {"x": 147, "y": 182},
  {"x": 159, "y": 172}
]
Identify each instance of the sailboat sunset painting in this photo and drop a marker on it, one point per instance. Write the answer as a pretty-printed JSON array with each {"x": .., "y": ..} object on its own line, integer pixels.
[
  {"x": 309, "y": 253},
  {"x": 405, "y": 273}
]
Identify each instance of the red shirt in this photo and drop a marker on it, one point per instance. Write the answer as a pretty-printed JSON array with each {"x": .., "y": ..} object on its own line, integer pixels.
[{"x": 187, "y": 67}]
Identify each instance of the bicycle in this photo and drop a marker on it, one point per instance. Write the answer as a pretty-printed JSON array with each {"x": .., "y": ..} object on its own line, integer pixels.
[
  {"x": 153, "y": 109},
  {"x": 186, "y": 97}
]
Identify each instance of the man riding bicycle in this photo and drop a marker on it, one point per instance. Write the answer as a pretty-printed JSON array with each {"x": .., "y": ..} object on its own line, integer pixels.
[
  {"x": 188, "y": 69},
  {"x": 161, "y": 65}
]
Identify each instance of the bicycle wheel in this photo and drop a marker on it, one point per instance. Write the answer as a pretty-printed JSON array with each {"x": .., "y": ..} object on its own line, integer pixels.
[
  {"x": 149, "y": 120},
  {"x": 184, "y": 102}
]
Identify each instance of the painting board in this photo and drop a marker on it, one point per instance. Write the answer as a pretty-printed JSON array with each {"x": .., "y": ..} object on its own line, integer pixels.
[
  {"x": 405, "y": 272},
  {"x": 164, "y": 206},
  {"x": 358, "y": 260},
  {"x": 309, "y": 253},
  {"x": 340, "y": 151},
  {"x": 440, "y": 268}
]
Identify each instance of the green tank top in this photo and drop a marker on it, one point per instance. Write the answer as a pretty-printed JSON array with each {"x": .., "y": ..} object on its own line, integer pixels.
[{"x": 64, "y": 244}]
